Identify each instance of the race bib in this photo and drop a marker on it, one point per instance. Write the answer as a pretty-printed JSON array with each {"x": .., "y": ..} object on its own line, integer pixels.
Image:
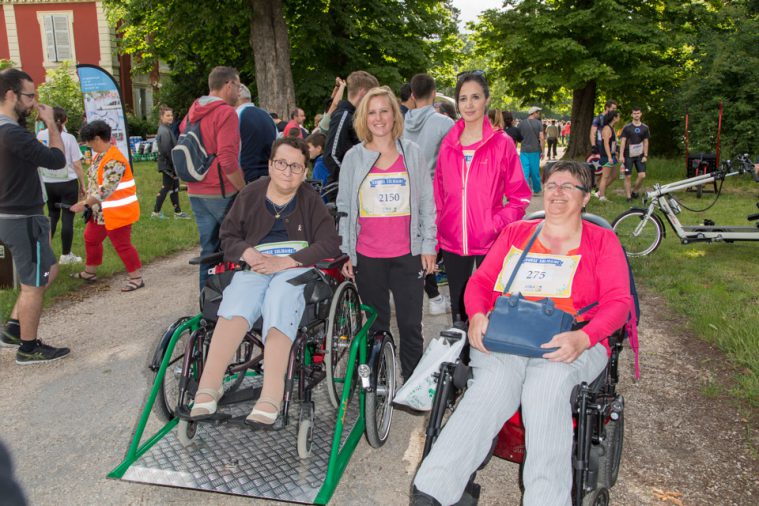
[
  {"x": 385, "y": 194},
  {"x": 636, "y": 150},
  {"x": 540, "y": 275},
  {"x": 468, "y": 155},
  {"x": 282, "y": 249}
]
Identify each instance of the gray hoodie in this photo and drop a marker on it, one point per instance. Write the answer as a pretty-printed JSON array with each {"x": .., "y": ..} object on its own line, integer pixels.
[
  {"x": 427, "y": 128},
  {"x": 357, "y": 163}
]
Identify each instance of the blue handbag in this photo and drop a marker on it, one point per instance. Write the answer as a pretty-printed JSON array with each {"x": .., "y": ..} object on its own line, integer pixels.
[{"x": 519, "y": 326}]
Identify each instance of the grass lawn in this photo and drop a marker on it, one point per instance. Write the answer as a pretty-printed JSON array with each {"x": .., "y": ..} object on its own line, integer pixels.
[
  {"x": 714, "y": 286},
  {"x": 153, "y": 239}
]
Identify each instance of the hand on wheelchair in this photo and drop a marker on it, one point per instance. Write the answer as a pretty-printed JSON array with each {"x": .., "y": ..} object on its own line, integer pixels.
[
  {"x": 570, "y": 346},
  {"x": 266, "y": 264}
]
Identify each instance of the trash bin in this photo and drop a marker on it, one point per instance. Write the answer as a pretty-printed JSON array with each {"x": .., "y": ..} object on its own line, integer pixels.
[{"x": 7, "y": 271}]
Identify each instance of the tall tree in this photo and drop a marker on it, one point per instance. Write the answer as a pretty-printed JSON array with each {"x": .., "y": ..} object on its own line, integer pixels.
[{"x": 608, "y": 48}]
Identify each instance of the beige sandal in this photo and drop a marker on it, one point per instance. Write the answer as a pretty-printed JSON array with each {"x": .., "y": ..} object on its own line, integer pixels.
[
  {"x": 268, "y": 417},
  {"x": 209, "y": 408}
]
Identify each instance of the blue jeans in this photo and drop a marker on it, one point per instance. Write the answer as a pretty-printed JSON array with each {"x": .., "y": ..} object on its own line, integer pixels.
[
  {"x": 209, "y": 213},
  {"x": 531, "y": 167}
]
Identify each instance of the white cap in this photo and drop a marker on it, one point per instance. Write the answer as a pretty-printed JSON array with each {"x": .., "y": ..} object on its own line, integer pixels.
[{"x": 533, "y": 110}]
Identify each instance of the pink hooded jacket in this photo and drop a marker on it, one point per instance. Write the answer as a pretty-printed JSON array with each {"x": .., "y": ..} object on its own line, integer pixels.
[{"x": 470, "y": 208}]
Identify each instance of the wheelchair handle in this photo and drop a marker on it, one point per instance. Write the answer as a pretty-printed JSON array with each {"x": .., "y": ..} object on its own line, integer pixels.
[{"x": 213, "y": 258}]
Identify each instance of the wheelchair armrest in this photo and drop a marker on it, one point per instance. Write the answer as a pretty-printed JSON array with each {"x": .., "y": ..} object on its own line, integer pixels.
[
  {"x": 332, "y": 263},
  {"x": 305, "y": 278},
  {"x": 213, "y": 258}
]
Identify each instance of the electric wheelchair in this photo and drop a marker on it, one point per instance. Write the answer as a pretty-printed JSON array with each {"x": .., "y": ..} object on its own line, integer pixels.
[
  {"x": 598, "y": 418},
  {"x": 331, "y": 320}
]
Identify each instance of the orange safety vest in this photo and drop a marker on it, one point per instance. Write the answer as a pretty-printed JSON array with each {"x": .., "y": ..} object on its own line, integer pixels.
[{"x": 121, "y": 208}]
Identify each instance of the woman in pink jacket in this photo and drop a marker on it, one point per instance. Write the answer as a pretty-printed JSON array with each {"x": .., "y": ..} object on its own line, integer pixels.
[{"x": 479, "y": 187}]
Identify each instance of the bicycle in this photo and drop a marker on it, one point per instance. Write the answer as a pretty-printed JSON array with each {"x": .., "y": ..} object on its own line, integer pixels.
[{"x": 641, "y": 230}]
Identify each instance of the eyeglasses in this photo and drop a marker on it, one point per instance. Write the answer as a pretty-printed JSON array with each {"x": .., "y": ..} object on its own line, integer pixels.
[
  {"x": 29, "y": 95},
  {"x": 565, "y": 188},
  {"x": 470, "y": 73},
  {"x": 282, "y": 165}
]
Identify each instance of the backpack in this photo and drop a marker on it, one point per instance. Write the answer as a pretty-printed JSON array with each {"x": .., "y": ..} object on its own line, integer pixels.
[{"x": 189, "y": 156}]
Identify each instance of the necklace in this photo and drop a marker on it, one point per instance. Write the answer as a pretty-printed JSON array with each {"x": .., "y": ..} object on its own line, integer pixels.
[{"x": 278, "y": 209}]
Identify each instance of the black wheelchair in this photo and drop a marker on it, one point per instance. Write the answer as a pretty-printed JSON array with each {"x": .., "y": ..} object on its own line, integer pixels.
[
  {"x": 332, "y": 319},
  {"x": 598, "y": 418}
]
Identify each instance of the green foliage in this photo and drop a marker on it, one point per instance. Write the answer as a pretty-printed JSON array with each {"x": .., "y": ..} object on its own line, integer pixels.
[
  {"x": 61, "y": 89},
  {"x": 6, "y": 64},
  {"x": 141, "y": 126}
]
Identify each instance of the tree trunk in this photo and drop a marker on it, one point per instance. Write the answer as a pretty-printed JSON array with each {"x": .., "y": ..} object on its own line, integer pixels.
[
  {"x": 271, "y": 55},
  {"x": 583, "y": 101}
]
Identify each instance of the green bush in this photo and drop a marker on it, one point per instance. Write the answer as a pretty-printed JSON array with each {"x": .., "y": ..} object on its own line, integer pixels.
[
  {"x": 140, "y": 126},
  {"x": 61, "y": 89}
]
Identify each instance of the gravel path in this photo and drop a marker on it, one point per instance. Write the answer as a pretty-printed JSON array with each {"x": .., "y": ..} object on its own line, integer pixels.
[{"x": 69, "y": 423}]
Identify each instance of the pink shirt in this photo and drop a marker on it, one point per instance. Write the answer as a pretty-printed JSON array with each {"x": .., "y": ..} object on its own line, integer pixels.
[{"x": 384, "y": 212}]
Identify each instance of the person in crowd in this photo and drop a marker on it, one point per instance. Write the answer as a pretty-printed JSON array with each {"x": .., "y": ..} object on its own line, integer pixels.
[
  {"x": 330, "y": 105},
  {"x": 533, "y": 141},
  {"x": 112, "y": 205},
  {"x": 598, "y": 122},
  {"x": 406, "y": 98},
  {"x": 552, "y": 139},
  {"x": 24, "y": 229},
  {"x": 278, "y": 122},
  {"x": 634, "y": 152},
  {"x": 508, "y": 127},
  {"x": 63, "y": 187},
  {"x": 389, "y": 232},
  {"x": 277, "y": 226},
  {"x": 341, "y": 136},
  {"x": 297, "y": 118},
  {"x": 427, "y": 129},
  {"x": 476, "y": 168},
  {"x": 166, "y": 140},
  {"x": 608, "y": 150},
  {"x": 257, "y": 133},
  {"x": 588, "y": 253},
  {"x": 496, "y": 118},
  {"x": 220, "y": 129},
  {"x": 593, "y": 163},
  {"x": 315, "y": 143},
  {"x": 446, "y": 109},
  {"x": 565, "y": 131}
]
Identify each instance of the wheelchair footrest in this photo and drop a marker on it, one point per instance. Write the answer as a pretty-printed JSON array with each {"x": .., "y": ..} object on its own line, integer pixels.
[{"x": 244, "y": 394}]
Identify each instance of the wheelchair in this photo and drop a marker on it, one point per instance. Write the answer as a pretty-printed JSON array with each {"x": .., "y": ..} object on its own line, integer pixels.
[
  {"x": 331, "y": 320},
  {"x": 598, "y": 418}
]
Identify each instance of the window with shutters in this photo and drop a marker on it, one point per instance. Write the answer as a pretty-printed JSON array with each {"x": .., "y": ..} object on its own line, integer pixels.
[{"x": 57, "y": 36}]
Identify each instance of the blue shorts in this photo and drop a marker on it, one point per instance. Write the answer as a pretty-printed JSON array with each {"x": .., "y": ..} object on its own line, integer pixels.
[{"x": 252, "y": 295}]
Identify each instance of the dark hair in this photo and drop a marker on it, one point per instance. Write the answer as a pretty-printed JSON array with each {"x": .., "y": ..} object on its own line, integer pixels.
[
  {"x": 293, "y": 142},
  {"x": 508, "y": 119},
  {"x": 610, "y": 103},
  {"x": 609, "y": 117},
  {"x": 405, "y": 92},
  {"x": 478, "y": 78},
  {"x": 220, "y": 76},
  {"x": 317, "y": 139},
  {"x": 636, "y": 108},
  {"x": 422, "y": 86},
  {"x": 10, "y": 80},
  {"x": 274, "y": 115},
  {"x": 163, "y": 109},
  {"x": 447, "y": 109},
  {"x": 576, "y": 169},
  {"x": 97, "y": 128},
  {"x": 294, "y": 112},
  {"x": 60, "y": 117}
]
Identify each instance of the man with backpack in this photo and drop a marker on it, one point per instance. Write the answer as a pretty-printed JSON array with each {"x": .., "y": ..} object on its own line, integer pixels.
[{"x": 211, "y": 192}]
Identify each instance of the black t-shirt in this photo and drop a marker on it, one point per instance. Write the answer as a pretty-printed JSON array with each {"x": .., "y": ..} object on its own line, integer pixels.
[
  {"x": 20, "y": 156},
  {"x": 278, "y": 232},
  {"x": 635, "y": 136},
  {"x": 514, "y": 133}
]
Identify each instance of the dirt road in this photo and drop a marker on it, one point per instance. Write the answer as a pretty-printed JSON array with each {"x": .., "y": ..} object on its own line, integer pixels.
[{"x": 69, "y": 423}]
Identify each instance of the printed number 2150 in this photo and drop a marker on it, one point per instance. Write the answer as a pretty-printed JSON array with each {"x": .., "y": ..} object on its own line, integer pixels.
[{"x": 389, "y": 197}]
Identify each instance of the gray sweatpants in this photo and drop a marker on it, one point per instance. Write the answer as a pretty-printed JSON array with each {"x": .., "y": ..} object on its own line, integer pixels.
[{"x": 500, "y": 383}]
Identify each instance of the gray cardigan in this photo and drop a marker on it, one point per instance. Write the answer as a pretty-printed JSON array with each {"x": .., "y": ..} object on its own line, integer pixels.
[{"x": 357, "y": 163}]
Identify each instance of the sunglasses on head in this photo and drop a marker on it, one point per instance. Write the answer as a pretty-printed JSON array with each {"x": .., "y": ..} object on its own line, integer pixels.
[{"x": 466, "y": 73}]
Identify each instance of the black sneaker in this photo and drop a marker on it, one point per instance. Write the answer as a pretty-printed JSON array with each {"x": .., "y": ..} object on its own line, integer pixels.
[
  {"x": 9, "y": 340},
  {"x": 634, "y": 195},
  {"x": 41, "y": 353}
]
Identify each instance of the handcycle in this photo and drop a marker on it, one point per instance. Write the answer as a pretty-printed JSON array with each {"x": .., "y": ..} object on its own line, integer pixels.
[
  {"x": 641, "y": 230},
  {"x": 598, "y": 417},
  {"x": 333, "y": 349}
]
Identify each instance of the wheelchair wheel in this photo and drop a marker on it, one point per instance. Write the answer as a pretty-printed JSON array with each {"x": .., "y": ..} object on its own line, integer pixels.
[
  {"x": 379, "y": 402},
  {"x": 608, "y": 468},
  {"x": 639, "y": 235},
  {"x": 598, "y": 497},
  {"x": 343, "y": 325},
  {"x": 305, "y": 430},
  {"x": 186, "y": 432},
  {"x": 168, "y": 394}
]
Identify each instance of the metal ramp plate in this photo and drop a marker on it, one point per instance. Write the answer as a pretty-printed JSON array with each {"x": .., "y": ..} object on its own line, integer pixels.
[{"x": 231, "y": 459}]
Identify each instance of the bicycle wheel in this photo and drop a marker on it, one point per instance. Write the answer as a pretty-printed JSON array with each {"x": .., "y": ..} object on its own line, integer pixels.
[
  {"x": 168, "y": 394},
  {"x": 639, "y": 234},
  {"x": 344, "y": 322},
  {"x": 379, "y": 403}
]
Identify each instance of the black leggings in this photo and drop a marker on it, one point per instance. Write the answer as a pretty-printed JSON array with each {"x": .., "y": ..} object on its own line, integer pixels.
[
  {"x": 170, "y": 186},
  {"x": 65, "y": 193},
  {"x": 459, "y": 269}
]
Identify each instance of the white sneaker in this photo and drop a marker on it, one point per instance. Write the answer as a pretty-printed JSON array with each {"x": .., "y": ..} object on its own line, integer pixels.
[
  {"x": 440, "y": 305},
  {"x": 603, "y": 199},
  {"x": 69, "y": 259}
]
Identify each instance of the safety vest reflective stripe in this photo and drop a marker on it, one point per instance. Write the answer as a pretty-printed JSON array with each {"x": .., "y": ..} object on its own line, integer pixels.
[
  {"x": 118, "y": 203},
  {"x": 124, "y": 185}
]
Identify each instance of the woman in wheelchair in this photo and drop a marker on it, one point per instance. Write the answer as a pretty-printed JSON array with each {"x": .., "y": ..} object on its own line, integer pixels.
[
  {"x": 276, "y": 225},
  {"x": 575, "y": 264}
]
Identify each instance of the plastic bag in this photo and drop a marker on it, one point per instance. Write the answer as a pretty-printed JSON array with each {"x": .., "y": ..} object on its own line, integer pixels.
[{"x": 419, "y": 389}]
